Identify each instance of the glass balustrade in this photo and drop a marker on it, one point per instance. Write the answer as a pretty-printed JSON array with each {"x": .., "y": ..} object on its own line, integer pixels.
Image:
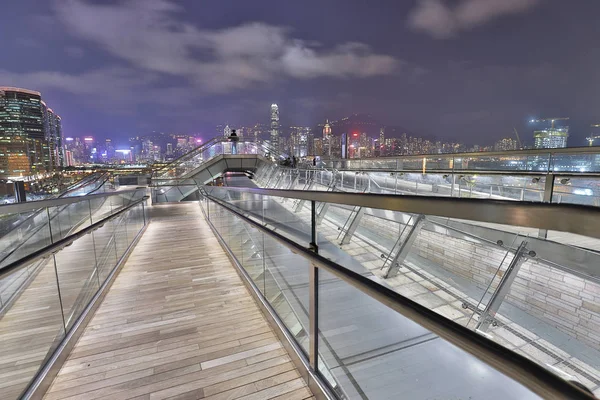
[
  {"x": 41, "y": 301},
  {"x": 507, "y": 283}
]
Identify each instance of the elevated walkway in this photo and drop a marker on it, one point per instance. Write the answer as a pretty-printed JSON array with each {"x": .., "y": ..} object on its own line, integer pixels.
[
  {"x": 178, "y": 322},
  {"x": 251, "y": 294}
]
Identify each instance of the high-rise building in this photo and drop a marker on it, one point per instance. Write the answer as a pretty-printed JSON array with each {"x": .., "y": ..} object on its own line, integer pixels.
[
  {"x": 550, "y": 133},
  {"x": 381, "y": 150},
  {"x": 327, "y": 139},
  {"x": 275, "y": 126},
  {"x": 318, "y": 146},
  {"x": 23, "y": 148},
  {"x": 506, "y": 144},
  {"x": 53, "y": 136}
]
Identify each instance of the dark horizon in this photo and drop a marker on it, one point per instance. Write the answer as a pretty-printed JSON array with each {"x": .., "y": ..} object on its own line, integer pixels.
[{"x": 466, "y": 70}]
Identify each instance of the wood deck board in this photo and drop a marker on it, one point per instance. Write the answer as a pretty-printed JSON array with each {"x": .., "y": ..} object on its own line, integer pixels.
[{"x": 178, "y": 323}]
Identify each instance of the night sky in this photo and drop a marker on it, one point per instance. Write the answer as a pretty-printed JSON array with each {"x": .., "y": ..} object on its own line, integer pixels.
[{"x": 468, "y": 70}]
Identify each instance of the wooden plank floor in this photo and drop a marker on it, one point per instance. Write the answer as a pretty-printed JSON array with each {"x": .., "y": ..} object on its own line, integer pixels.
[{"x": 178, "y": 323}]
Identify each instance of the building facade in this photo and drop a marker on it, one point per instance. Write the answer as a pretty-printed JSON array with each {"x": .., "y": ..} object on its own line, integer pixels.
[
  {"x": 54, "y": 138},
  {"x": 275, "y": 126},
  {"x": 26, "y": 125},
  {"x": 506, "y": 144},
  {"x": 550, "y": 138}
]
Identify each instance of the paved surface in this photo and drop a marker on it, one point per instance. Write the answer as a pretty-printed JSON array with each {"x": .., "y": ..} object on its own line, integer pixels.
[{"x": 178, "y": 323}]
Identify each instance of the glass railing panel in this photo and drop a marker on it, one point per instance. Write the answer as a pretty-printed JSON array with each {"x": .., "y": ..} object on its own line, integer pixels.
[
  {"x": 24, "y": 233},
  {"x": 280, "y": 275},
  {"x": 106, "y": 248},
  {"x": 575, "y": 190},
  {"x": 575, "y": 162},
  {"x": 550, "y": 314},
  {"x": 31, "y": 326},
  {"x": 286, "y": 288},
  {"x": 66, "y": 220},
  {"x": 77, "y": 277},
  {"x": 372, "y": 352}
]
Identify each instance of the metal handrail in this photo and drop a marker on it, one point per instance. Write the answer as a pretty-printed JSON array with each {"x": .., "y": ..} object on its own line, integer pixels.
[
  {"x": 517, "y": 367},
  {"x": 59, "y": 245},
  {"x": 581, "y": 220},
  {"x": 34, "y": 205},
  {"x": 508, "y": 153}
]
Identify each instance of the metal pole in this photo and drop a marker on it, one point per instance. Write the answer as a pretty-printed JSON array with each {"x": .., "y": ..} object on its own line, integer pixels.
[
  {"x": 353, "y": 225},
  {"x": 405, "y": 248},
  {"x": 313, "y": 313},
  {"x": 488, "y": 314},
  {"x": 548, "y": 192}
]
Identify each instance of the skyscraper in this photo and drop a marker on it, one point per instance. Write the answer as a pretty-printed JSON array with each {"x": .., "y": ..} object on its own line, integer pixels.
[
  {"x": 53, "y": 136},
  {"x": 275, "y": 126},
  {"x": 327, "y": 139},
  {"x": 23, "y": 148},
  {"x": 381, "y": 151}
]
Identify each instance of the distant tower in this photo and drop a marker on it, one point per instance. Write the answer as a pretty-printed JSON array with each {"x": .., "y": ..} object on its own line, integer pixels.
[
  {"x": 227, "y": 131},
  {"x": 275, "y": 126},
  {"x": 327, "y": 139},
  {"x": 382, "y": 142}
]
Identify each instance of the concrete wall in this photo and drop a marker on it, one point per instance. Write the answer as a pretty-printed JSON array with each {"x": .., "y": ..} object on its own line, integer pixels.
[{"x": 569, "y": 303}]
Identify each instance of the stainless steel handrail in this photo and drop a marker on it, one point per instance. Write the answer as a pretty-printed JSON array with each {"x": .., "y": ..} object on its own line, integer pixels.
[
  {"x": 517, "y": 367},
  {"x": 35, "y": 205},
  {"x": 509, "y": 153},
  {"x": 581, "y": 220},
  {"x": 59, "y": 245}
]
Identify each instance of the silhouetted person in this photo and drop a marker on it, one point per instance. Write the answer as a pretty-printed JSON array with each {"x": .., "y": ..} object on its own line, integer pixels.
[
  {"x": 233, "y": 138},
  {"x": 294, "y": 161},
  {"x": 314, "y": 162}
]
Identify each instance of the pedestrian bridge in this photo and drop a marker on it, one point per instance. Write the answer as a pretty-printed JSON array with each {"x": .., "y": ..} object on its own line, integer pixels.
[{"x": 299, "y": 283}]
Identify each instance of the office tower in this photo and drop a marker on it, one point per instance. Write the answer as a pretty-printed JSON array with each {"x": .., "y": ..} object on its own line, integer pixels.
[
  {"x": 55, "y": 157},
  {"x": 169, "y": 149},
  {"x": 550, "y": 133},
  {"x": 226, "y": 131},
  {"x": 382, "y": 151},
  {"x": 23, "y": 148},
  {"x": 326, "y": 139},
  {"x": 318, "y": 146},
  {"x": 275, "y": 127}
]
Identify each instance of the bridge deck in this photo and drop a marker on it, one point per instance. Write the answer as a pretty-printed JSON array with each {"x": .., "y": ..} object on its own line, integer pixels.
[{"x": 178, "y": 323}]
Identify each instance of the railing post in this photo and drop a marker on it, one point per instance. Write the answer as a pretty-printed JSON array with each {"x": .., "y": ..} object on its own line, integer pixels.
[
  {"x": 353, "y": 225},
  {"x": 313, "y": 282},
  {"x": 405, "y": 247},
  {"x": 548, "y": 192},
  {"x": 488, "y": 314}
]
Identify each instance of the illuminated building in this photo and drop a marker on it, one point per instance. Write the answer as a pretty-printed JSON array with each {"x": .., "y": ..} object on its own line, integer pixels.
[
  {"x": 318, "y": 143},
  {"x": 506, "y": 144},
  {"x": 53, "y": 135},
  {"x": 381, "y": 143},
  {"x": 550, "y": 133},
  {"x": 275, "y": 126},
  {"x": 327, "y": 139},
  {"x": 23, "y": 148}
]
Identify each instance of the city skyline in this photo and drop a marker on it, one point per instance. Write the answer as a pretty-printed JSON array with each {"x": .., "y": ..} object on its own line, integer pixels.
[{"x": 437, "y": 67}]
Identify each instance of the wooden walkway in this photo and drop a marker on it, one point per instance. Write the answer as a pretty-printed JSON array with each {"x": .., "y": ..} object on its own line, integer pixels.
[{"x": 178, "y": 323}]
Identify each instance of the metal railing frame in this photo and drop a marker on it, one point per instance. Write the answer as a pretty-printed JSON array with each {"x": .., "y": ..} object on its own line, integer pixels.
[{"x": 517, "y": 367}]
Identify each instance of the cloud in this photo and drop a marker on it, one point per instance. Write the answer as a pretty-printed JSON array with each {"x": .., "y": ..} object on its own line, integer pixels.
[
  {"x": 109, "y": 89},
  {"x": 442, "y": 21},
  {"x": 74, "y": 51},
  {"x": 151, "y": 35}
]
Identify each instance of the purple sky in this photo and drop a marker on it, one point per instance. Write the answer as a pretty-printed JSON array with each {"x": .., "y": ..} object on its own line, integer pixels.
[{"x": 457, "y": 69}]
